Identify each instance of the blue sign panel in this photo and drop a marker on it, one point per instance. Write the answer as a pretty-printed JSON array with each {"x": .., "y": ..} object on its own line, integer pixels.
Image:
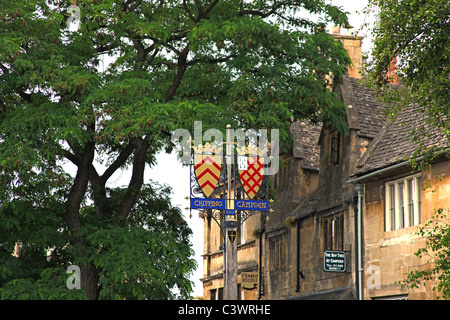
[
  {"x": 199, "y": 203},
  {"x": 259, "y": 205},
  {"x": 230, "y": 212}
]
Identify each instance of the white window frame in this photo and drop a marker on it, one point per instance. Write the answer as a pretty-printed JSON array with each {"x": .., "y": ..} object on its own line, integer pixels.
[{"x": 398, "y": 199}]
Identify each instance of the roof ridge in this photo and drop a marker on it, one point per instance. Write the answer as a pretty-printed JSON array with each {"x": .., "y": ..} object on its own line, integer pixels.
[
  {"x": 348, "y": 97},
  {"x": 373, "y": 145},
  {"x": 364, "y": 112}
]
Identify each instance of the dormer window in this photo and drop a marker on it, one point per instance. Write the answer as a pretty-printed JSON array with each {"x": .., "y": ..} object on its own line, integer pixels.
[{"x": 334, "y": 153}]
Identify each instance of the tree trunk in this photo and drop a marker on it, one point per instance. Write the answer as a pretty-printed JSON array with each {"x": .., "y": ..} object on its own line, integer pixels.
[
  {"x": 89, "y": 275},
  {"x": 89, "y": 281}
]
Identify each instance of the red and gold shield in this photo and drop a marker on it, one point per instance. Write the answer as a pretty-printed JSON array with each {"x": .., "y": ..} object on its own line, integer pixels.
[
  {"x": 252, "y": 177},
  {"x": 207, "y": 171}
]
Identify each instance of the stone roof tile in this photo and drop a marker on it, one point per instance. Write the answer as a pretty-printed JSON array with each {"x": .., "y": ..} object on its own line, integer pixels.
[
  {"x": 394, "y": 144},
  {"x": 306, "y": 147},
  {"x": 369, "y": 111}
]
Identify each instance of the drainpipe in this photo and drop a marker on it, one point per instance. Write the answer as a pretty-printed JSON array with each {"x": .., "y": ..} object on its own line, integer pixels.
[
  {"x": 359, "y": 267},
  {"x": 261, "y": 232},
  {"x": 297, "y": 289},
  {"x": 355, "y": 250}
]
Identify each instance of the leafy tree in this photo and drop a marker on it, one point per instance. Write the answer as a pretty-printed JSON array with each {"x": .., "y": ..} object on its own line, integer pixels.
[
  {"x": 108, "y": 96},
  {"x": 128, "y": 259},
  {"x": 437, "y": 250},
  {"x": 414, "y": 36}
]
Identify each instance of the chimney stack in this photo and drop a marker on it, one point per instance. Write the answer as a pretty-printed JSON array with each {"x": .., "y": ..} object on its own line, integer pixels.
[
  {"x": 353, "y": 46},
  {"x": 391, "y": 73}
]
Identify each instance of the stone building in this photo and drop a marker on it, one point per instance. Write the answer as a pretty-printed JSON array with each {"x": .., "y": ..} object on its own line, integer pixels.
[
  {"x": 395, "y": 202},
  {"x": 347, "y": 192},
  {"x": 363, "y": 185},
  {"x": 323, "y": 218}
]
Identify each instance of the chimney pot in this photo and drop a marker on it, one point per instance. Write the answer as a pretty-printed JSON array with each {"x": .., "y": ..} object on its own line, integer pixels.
[
  {"x": 353, "y": 46},
  {"x": 336, "y": 30}
]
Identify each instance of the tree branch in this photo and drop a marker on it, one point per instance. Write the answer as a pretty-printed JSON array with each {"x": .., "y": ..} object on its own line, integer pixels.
[
  {"x": 191, "y": 16},
  {"x": 273, "y": 10},
  {"x": 208, "y": 10},
  {"x": 137, "y": 179},
  {"x": 153, "y": 56},
  {"x": 211, "y": 60},
  {"x": 71, "y": 157},
  {"x": 78, "y": 190},
  {"x": 182, "y": 65},
  {"x": 120, "y": 160},
  {"x": 134, "y": 6},
  {"x": 102, "y": 204},
  {"x": 140, "y": 50}
]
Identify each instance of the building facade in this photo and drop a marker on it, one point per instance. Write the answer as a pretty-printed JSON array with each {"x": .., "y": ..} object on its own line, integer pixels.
[
  {"x": 397, "y": 200},
  {"x": 352, "y": 193}
]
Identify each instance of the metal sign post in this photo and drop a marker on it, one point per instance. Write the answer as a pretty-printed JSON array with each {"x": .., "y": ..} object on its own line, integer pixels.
[
  {"x": 228, "y": 197},
  {"x": 230, "y": 271}
]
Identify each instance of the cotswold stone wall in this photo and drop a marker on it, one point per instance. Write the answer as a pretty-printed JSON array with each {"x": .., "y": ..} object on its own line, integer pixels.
[{"x": 389, "y": 255}]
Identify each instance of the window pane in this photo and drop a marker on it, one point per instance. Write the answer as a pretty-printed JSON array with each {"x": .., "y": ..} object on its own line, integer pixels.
[
  {"x": 282, "y": 252},
  {"x": 419, "y": 198},
  {"x": 401, "y": 205},
  {"x": 212, "y": 294},
  {"x": 277, "y": 254},
  {"x": 332, "y": 235},
  {"x": 333, "y": 232},
  {"x": 410, "y": 190},
  {"x": 334, "y": 156},
  {"x": 392, "y": 206}
]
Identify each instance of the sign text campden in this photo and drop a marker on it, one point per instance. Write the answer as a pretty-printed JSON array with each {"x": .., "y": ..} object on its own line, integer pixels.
[
  {"x": 251, "y": 205},
  {"x": 334, "y": 261}
]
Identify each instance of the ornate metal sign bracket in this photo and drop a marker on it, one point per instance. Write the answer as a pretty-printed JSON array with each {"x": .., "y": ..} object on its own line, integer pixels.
[{"x": 229, "y": 188}]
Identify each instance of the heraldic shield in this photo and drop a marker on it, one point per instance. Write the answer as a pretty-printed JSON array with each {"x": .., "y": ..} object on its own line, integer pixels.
[
  {"x": 252, "y": 178},
  {"x": 207, "y": 171}
]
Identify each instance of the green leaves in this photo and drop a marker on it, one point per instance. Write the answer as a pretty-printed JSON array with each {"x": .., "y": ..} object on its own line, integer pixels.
[
  {"x": 138, "y": 264},
  {"x": 416, "y": 34},
  {"x": 149, "y": 257},
  {"x": 51, "y": 286},
  {"x": 437, "y": 251},
  {"x": 415, "y": 37},
  {"x": 111, "y": 93}
]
